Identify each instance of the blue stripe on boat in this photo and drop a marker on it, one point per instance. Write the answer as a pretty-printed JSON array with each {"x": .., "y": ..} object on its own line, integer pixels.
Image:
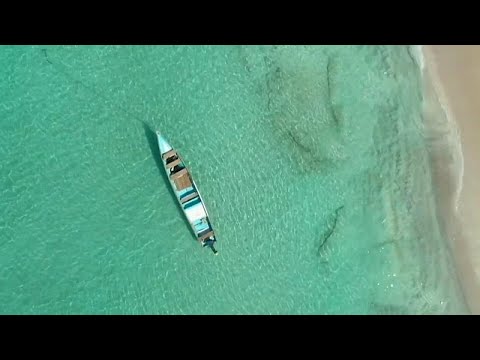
[
  {"x": 201, "y": 226},
  {"x": 187, "y": 192},
  {"x": 192, "y": 202}
]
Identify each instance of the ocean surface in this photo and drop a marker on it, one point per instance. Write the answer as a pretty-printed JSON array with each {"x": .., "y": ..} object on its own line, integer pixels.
[{"x": 312, "y": 161}]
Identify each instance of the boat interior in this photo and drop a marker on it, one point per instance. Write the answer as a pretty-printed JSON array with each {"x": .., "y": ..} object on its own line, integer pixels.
[
  {"x": 188, "y": 195},
  {"x": 178, "y": 171}
]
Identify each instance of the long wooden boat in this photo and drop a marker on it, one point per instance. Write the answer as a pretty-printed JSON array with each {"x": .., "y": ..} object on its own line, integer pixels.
[{"x": 187, "y": 194}]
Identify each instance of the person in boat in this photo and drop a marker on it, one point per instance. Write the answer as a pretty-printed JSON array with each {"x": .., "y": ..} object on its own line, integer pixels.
[
  {"x": 172, "y": 158},
  {"x": 174, "y": 169},
  {"x": 210, "y": 242}
]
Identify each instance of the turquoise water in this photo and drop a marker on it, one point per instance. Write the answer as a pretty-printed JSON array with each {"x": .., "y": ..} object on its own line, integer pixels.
[{"x": 311, "y": 159}]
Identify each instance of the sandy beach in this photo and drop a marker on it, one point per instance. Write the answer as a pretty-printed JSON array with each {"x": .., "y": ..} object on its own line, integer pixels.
[{"x": 452, "y": 80}]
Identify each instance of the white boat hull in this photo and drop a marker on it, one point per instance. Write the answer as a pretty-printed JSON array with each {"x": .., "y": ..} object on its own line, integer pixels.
[{"x": 187, "y": 193}]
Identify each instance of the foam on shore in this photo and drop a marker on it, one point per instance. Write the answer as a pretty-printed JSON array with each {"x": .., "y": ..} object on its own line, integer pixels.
[{"x": 445, "y": 115}]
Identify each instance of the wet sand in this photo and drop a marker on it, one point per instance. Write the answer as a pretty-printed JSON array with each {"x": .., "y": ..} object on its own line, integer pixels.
[{"x": 454, "y": 72}]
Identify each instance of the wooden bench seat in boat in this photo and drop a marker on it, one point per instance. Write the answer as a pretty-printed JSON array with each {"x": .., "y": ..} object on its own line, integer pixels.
[
  {"x": 168, "y": 154},
  {"x": 206, "y": 236},
  {"x": 181, "y": 179},
  {"x": 189, "y": 197},
  {"x": 178, "y": 174}
]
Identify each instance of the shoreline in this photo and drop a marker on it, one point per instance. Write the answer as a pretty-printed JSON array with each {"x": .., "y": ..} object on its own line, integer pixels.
[{"x": 450, "y": 83}]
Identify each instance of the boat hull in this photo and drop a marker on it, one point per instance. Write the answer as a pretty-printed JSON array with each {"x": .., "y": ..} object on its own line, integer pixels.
[{"x": 187, "y": 193}]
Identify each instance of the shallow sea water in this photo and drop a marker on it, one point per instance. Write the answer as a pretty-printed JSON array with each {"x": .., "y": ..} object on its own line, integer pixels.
[{"x": 311, "y": 159}]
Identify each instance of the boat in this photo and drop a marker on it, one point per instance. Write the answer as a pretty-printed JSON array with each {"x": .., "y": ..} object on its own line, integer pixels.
[{"x": 187, "y": 194}]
